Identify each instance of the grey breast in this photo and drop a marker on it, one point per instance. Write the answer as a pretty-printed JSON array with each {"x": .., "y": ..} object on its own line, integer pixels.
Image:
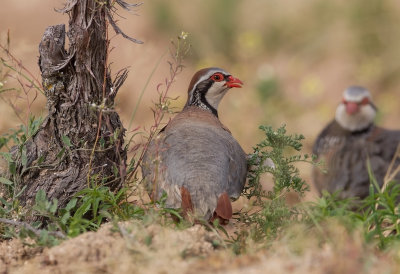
[{"x": 200, "y": 156}]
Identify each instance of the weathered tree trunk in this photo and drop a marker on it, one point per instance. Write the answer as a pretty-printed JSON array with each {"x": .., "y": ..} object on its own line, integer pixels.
[{"x": 80, "y": 142}]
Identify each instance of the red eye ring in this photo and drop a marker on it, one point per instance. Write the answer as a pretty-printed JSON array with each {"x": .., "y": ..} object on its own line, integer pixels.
[
  {"x": 217, "y": 77},
  {"x": 365, "y": 101}
]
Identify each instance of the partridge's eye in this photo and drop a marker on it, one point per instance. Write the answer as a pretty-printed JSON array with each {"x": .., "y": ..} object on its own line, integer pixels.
[
  {"x": 217, "y": 77},
  {"x": 365, "y": 101}
]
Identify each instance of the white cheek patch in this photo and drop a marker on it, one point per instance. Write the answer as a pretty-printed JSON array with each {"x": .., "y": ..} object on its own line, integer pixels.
[
  {"x": 357, "y": 121},
  {"x": 216, "y": 93}
]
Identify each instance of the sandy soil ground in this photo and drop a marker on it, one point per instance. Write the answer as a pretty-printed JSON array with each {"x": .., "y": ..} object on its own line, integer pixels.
[{"x": 158, "y": 249}]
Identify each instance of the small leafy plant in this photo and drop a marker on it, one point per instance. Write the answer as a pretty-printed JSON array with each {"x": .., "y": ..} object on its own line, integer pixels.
[
  {"x": 85, "y": 212},
  {"x": 269, "y": 156},
  {"x": 270, "y": 213}
]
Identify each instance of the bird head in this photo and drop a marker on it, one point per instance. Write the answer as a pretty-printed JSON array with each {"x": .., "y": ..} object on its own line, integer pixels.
[
  {"x": 208, "y": 86},
  {"x": 356, "y": 111}
]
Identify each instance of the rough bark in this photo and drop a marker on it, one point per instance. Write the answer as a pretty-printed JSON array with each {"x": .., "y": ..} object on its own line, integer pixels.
[{"x": 80, "y": 142}]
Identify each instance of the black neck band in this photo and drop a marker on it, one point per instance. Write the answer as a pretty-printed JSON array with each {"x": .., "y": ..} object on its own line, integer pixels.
[{"x": 198, "y": 99}]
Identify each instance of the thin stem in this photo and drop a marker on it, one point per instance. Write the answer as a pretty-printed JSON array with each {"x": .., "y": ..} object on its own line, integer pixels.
[
  {"x": 27, "y": 226},
  {"x": 390, "y": 174},
  {"x": 94, "y": 146},
  {"x": 33, "y": 79},
  {"x": 144, "y": 89}
]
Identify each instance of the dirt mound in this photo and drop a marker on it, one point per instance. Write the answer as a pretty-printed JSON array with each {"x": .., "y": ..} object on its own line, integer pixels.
[
  {"x": 133, "y": 247},
  {"x": 14, "y": 253},
  {"x": 128, "y": 248}
]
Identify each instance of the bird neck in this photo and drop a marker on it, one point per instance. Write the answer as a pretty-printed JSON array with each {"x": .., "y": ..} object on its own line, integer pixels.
[
  {"x": 363, "y": 130},
  {"x": 198, "y": 99},
  {"x": 338, "y": 130}
]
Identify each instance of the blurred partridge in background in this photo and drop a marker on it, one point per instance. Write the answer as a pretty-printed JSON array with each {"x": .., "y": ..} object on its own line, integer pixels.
[{"x": 348, "y": 141}]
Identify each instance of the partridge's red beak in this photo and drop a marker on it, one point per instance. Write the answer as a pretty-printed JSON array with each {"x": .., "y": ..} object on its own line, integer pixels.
[
  {"x": 352, "y": 108},
  {"x": 233, "y": 82}
]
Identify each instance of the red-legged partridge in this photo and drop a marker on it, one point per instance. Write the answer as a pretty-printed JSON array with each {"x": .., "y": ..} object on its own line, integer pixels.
[
  {"x": 195, "y": 160},
  {"x": 348, "y": 141}
]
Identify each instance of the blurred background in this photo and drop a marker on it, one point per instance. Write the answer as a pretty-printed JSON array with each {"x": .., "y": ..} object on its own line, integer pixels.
[{"x": 295, "y": 58}]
